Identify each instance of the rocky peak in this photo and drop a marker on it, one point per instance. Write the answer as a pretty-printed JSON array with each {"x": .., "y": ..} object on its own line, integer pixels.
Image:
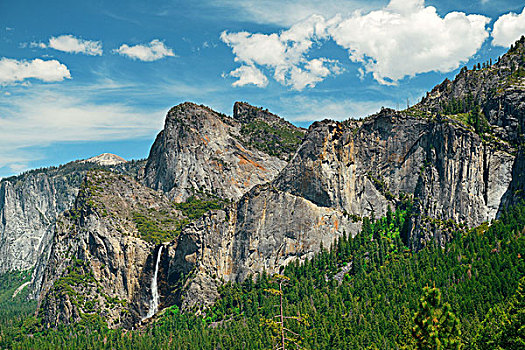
[
  {"x": 246, "y": 113},
  {"x": 105, "y": 159},
  {"x": 202, "y": 153},
  {"x": 266, "y": 131},
  {"x": 489, "y": 96}
]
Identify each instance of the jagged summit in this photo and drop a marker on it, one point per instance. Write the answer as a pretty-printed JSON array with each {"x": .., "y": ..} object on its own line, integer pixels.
[
  {"x": 266, "y": 131},
  {"x": 105, "y": 159},
  {"x": 203, "y": 153},
  {"x": 245, "y": 112},
  {"x": 488, "y": 97}
]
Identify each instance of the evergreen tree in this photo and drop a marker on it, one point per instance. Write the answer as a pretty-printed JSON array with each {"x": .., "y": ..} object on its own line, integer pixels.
[
  {"x": 436, "y": 327},
  {"x": 514, "y": 334}
]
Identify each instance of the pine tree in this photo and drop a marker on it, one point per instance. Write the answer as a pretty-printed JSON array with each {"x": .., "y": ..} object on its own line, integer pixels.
[
  {"x": 514, "y": 334},
  {"x": 436, "y": 327}
]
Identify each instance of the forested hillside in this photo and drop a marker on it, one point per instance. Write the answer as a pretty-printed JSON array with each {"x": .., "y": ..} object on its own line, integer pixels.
[{"x": 360, "y": 293}]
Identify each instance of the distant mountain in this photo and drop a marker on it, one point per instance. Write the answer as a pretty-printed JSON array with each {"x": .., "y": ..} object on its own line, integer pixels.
[{"x": 105, "y": 159}]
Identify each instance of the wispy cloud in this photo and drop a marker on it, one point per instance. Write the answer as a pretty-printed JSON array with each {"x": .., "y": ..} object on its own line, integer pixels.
[
  {"x": 69, "y": 43},
  {"x": 12, "y": 71},
  {"x": 65, "y": 116},
  {"x": 308, "y": 109},
  {"x": 290, "y": 12},
  {"x": 153, "y": 51},
  {"x": 508, "y": 28}
]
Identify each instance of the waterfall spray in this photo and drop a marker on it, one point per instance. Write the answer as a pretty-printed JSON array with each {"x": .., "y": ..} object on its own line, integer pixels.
[{"x": 154, "y": 303}]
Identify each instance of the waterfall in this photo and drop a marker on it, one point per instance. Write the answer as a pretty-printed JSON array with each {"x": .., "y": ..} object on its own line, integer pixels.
[{"x": 154, "y": 303}]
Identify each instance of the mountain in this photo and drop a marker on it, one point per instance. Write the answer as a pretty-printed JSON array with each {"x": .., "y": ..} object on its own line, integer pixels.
[
  {"x": 105, "y": 159},
  {"x": 207, "y": 154},
  {"x": 103, "y": 251},
  {"x": 29, "y": 206},
  {"x": 454, "y": 173},
  {"x": 221, "y": 199}
]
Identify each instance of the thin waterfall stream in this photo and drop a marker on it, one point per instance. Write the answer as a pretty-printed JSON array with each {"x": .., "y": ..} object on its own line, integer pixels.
[{"x": 155, "y": 298}]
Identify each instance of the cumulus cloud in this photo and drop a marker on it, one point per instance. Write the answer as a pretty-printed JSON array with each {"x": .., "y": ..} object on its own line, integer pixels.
[
  {"x": 284, "y": 53},
  {"x": 153, "y": 51},
  {"x": 508, "y": 28},
  {"x": 249, "y": 75},
  {"x": 402, "y": 39},
  {"x": 12, "y": 71},
  {"x": 407, "y": 38},
  {"x": 71, "y": 44}
]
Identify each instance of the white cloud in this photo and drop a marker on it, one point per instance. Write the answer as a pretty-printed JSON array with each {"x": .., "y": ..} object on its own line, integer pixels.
[
  {"x": 71, "y": 44},
  {"x": 407, "y": 38},
  {"x": 66, "y": 116},
  {"x": 34, "y": 44},
  {"x": 508, "y": 28},
  {"x": 249, "y": 75},
  {"x": 12, "y": 71},
  {"x": 284, "y": 53},
  {"x": 402, "y": 39},
  {"x": 153, "y": 51}
]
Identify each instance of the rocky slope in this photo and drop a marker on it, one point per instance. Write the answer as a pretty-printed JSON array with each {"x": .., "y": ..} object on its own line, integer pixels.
[
  {"x": 104, "y": 252},
  {"x": 342, "y": 172},
  {"x": 266, "y": 131},
  {"x": 207, "y": 154},
  {"x": 496, "y": 89},
  {"x": 29, "y": 206},
  {"x": 457, "y": 158}
]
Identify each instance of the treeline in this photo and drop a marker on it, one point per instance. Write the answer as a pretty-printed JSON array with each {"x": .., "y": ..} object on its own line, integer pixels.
[{"x": 361, "y": 293}]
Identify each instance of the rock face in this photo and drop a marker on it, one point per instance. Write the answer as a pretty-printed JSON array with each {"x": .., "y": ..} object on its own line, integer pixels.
[
  {"x": 104, "y": 252},
  {"x": 497, "y": 89},
  {"x": 457, "y": 156},
  {"x": 266, "y": 230},
  {"x": 203, "y": 153},
  {"x": 344, "y": 171},
  {"x": 496, "y": 93},
  {"x": 29, "y": 206}
]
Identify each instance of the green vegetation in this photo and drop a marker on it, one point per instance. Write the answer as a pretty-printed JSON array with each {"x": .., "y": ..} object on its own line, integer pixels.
[
  {"x": 436, "y": 326},
  {"x": 275, "y": 140},
  {"x": 151, "y": 227},
  {"x": 194, "y": 208},
  {"x": 366, "y": 292},
  {"x": 159, "y": 226},
  {"x": 14, "y": 309},
  {"x": 503, "y": 327}
]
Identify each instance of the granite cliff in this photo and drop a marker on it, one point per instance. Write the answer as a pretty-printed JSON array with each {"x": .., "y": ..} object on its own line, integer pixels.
[
  {"x": 456, "y": 159},
  {"x": 29, "y": 206},
  {"x": 207, "y": 154},
  {"x": 104, "y": 252}
]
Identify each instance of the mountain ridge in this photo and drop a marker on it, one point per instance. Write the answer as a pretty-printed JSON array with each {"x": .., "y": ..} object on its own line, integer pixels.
[{"x": 455, "y": 165}]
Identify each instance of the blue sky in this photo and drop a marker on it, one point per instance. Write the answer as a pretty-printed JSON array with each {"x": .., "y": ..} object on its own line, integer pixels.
[{"x": 79, "y": 78}]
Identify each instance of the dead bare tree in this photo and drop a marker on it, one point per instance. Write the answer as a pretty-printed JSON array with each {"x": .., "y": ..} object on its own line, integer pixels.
[{"x": 285, "y": 334}]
